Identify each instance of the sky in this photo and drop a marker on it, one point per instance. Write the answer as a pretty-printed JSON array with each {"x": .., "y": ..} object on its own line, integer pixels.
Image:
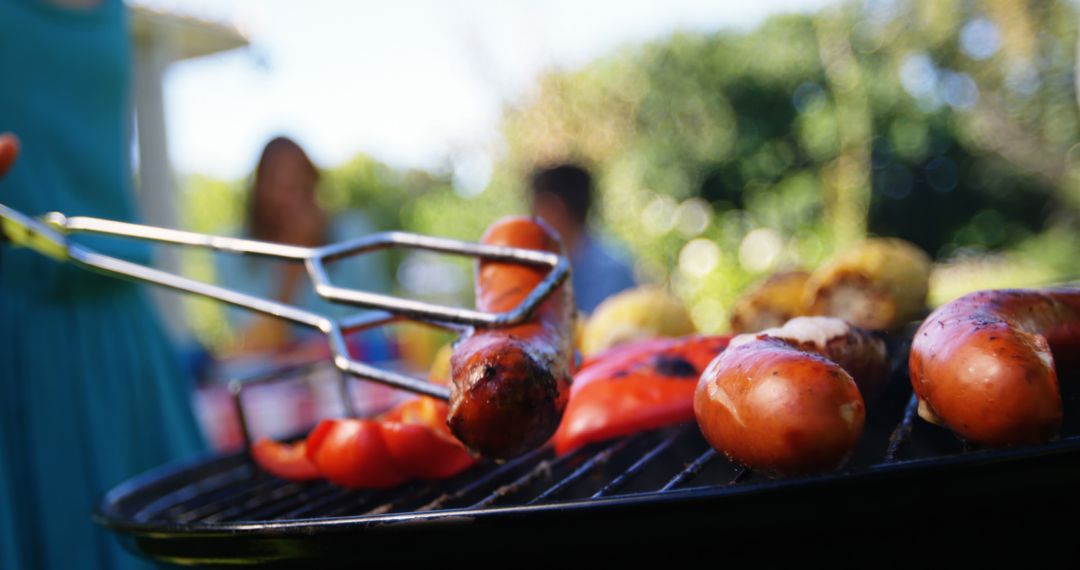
[{"x": 413, "y": 83}]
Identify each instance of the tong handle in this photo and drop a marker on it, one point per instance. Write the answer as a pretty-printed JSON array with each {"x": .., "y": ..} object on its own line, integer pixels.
[
  {"x": 24, "y": 231},
  {"x": 41, "y": 237}
]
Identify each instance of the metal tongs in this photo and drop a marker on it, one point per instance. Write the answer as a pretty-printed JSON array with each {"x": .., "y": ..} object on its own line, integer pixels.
[{"x": 48, "y": 236}]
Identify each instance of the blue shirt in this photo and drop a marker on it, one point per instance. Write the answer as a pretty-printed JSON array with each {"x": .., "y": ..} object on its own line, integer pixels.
[{"x": 598, "y": 273}]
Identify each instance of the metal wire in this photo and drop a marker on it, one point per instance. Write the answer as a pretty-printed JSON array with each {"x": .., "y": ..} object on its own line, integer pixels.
[
  {"x": 902, "y": 431},
  {"x": 597, "y": 460},
  {"x": 543, "y": 469},
  {"x": 483, "y": 481},
  {"x": 236, "y": 476},
  {"x": 691, "y": 470},
  {"x": 639, "y": 465}
]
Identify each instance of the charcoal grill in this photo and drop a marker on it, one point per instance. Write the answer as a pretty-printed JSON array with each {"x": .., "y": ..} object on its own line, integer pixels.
[{"x": 908, "y": 484}]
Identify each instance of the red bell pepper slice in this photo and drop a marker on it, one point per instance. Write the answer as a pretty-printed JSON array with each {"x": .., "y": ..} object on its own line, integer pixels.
[
  {"x": 353, "y": 453},
  {"x": 421, "y": 443},
  {"x": 285, "y": 460},
  {"x": 409, "y": 442},
  {"x": 635, "y": 387}
]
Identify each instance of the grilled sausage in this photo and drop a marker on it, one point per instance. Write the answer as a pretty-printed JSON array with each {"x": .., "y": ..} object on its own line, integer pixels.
[
  {"x": 860, "y": 352},
  {"x": 984, "y": 364},
  {"x": 786, "y": 401},
  {"x": 509, "y": 386}
]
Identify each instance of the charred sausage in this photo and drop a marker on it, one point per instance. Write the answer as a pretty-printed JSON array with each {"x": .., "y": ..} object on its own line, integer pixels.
[{"x": 509, "y": 386}]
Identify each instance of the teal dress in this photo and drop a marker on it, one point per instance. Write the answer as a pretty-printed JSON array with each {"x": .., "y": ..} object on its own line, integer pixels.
[{"x": 91, "y": 392}]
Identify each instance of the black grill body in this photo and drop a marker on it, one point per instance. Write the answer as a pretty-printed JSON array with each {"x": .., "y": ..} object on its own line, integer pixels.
[{"x": 909, "y": 486}]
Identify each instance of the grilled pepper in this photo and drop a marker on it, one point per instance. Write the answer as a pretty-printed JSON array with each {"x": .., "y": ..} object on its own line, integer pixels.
[
  {"x": 635, "y": 387},
  {"x": 409, "y": 442}
]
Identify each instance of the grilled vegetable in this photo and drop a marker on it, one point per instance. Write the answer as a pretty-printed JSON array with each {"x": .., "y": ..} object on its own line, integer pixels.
[
  {"x": 880, "y": 284},
  {"x": 635, "y": 387},
  {"x": 642, "y": 313},
  {"x": 770, "y": 303},
  {"x": 284, "y": 460},
  {"x": 353, "y": 453},
  {"x": 409, "y": 442}
]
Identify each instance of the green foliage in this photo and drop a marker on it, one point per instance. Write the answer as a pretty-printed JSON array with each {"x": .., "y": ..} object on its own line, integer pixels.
[
  {"x": 721, "y": 157},
  {"x": 215, "y": 207}
]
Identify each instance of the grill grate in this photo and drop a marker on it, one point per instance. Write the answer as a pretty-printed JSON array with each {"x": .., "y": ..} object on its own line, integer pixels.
[{"x": 237, "y": 512}]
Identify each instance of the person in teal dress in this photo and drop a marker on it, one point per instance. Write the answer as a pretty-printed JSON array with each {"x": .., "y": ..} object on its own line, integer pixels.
[{"x": 91, "y": 392}]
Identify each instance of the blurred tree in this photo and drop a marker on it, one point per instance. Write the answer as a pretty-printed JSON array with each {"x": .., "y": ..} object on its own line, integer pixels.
[{"x": 945, "y": 123}]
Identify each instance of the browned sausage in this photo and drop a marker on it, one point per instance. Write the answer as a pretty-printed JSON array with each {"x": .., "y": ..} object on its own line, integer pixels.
[
  {"x": 782, "y": 402},
  {"x": 984, "y": 364},
  {"x": 510, "y": 386},
  {"x": 860, "y": 352}
]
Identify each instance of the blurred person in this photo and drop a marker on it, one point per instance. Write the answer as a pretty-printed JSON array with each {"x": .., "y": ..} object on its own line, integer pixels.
[
  {"x": 282, "y": 208},
  {"x": 562, "y": 196},
  {"x": 91, "y": 391}
]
